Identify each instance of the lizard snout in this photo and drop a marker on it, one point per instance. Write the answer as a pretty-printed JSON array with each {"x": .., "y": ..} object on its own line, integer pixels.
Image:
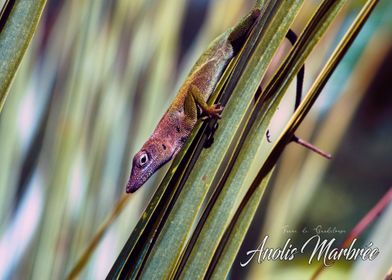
[
  {"x": 135, "y": 180},
  {"x": 131, "y": 187}
]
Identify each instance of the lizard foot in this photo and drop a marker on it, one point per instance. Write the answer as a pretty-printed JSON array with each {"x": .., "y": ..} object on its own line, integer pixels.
[{"x": 213, "y": 111}]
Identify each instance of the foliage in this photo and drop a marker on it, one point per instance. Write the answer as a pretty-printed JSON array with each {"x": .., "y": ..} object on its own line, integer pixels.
[{"x": 89, "y": 92}]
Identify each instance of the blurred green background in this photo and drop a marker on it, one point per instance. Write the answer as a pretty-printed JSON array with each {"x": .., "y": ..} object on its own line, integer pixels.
[{"x": 97, "y": 77}]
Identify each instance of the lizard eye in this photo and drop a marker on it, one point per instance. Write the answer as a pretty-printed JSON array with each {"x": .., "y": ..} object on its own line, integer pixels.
[{"x": 143, "y": 159}]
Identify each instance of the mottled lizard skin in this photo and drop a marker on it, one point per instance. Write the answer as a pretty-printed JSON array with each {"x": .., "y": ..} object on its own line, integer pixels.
[{"x": 177, "y": 123}]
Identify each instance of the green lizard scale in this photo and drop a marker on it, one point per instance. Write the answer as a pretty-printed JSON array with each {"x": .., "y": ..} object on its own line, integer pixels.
[{"x": 182, "y": 113}]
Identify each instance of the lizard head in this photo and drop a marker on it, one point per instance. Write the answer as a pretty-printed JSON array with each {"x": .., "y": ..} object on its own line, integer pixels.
[{"x": 153, "y": 154}]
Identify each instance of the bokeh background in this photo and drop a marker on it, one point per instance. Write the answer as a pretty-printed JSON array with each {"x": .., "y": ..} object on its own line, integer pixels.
[{"x": 96, "y": 79}]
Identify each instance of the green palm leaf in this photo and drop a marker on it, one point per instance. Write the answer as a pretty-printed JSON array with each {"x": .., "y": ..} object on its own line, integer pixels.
[{"x": 18, "y": 21}]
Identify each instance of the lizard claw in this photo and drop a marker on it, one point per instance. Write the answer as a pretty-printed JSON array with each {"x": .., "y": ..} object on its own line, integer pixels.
[{"x": 215, "y": 111}]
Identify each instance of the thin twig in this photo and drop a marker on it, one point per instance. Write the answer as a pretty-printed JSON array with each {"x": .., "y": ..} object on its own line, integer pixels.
[
  {"x": 362, "y": 225},
  {"x": 311, "y": 147},
  {"x": 81, "y": 263}
]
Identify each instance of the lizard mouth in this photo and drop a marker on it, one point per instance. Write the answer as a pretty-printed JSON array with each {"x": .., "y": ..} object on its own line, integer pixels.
[
  {"x": 132, "y": 187},
  {"x": 136, "y": 181}
]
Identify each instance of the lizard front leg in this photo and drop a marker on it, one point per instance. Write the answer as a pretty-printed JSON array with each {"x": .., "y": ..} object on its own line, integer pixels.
[{"x": 211, "y": 111}]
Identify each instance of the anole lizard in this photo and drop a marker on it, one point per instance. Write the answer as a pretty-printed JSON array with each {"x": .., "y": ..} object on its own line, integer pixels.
[{"x": 177, "y": 123}]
